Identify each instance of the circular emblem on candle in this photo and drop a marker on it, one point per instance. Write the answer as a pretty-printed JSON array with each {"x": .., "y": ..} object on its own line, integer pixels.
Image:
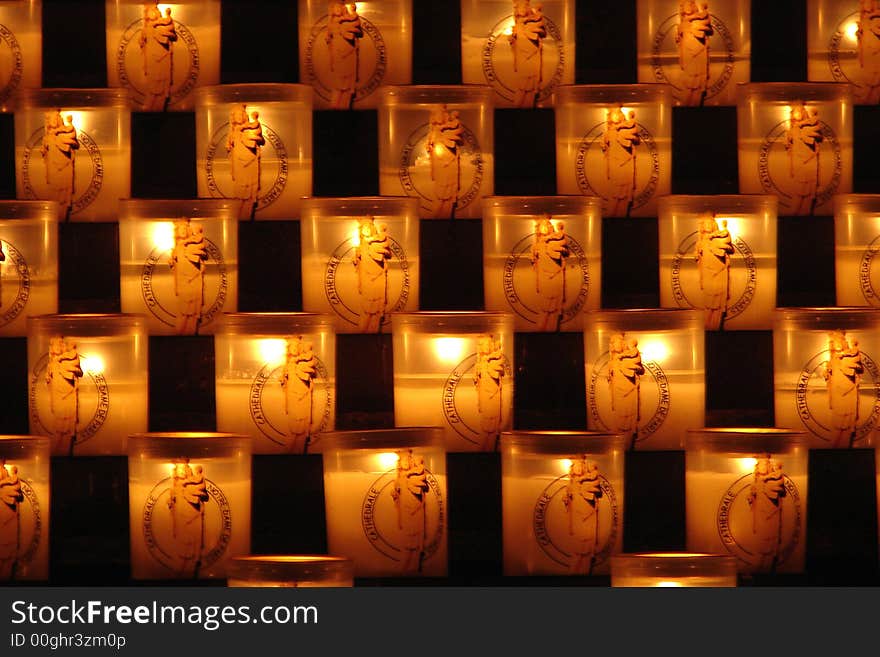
[
  {"x": 15, "y": 282},
  {"x": 187, "y": 521},
  {"x": 577, "y": 518},
  {"x": 290, "y": 403},
  {"x": 345, "y": 56},
  {"x": 546, "y": 276},
  {"x": 867, "y": 273},
  {"x": 854, "y": 52},
  {"x": 524, "y": 57},
  {"x": 618, "y": 160},
  {"x": 442, "y": 165},
  {"x": 759, "y": 517},
  {"x": 800, "y": 161},
  {"x": 403, "y": 513},
  {"x": 693, "y": 52},
  {"x": 838, "y": 392},
  {"x": 11, "y": 64},
  {"x": 21, "y": 521}
]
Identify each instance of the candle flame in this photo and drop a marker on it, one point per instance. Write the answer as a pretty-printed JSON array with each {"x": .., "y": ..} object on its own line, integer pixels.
[
  {"x": 273, "y": 351},
  {"x": 850, "y": 31},
  {"x": 356, "y": 236},
  {"x": 93, "y": 365},
  {"x": 668, "y": 584},
  {"x": 746, "y": 465},
  {"x": 564, "y": 465},
  {"x": 654, "y": 350},
  {"x": 163, "y": 236},
  {"x": 507, "y": 29},
  {"x": 387, "y": 461},
  {"x": 450, "y": 350},
  {"x": 733, "y": 225}
]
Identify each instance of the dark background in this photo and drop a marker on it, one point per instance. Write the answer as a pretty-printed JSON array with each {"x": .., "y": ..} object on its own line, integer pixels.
[{"x": 89, "y": 514}]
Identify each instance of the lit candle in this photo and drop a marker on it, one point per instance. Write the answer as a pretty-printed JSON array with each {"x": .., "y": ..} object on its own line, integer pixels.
[
  {"x": 615, "y": 141},
  {"x": 189, "y": 504},
  {"x": 718, "y": 254},
  {"x": 702, "y": 48},
  {"x": 385, "y": 501},
  {"x": 74, "y": 146},
  {"x": 28, "y": 263},
  {"x": 746, "y": 496},
  {"x": 522, "y": 49},
  {"x": 454, "y": 370},
  {"x": 21, "y": 48},
  {"x": 24, "y": 508},
  {"x": 360, "y": 260},
  {"x": 561, "y": 501},
  {"x": 276, "y": 379},
  {"x": 825, "y": 378},
  {"x": 645, "y": 374},
  {"x": 290, "y": 571},
  {"x": 254, "y": 146},
  {"x": 162, "y": 51},
  {"x": 843, "y": 45},
  {"x": 347, "y": 50},
  {"x": 673, "y": 569},
  {"x": 795, "y": 141},
  {"x": 436, "y": 144},
  {"x": 87, "y": 381},
  {"x": 856, "y": 244},
  {"x": 178, "y": 263}
]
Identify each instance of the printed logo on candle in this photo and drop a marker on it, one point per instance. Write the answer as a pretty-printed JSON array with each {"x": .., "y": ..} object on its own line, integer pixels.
[
  {"x": 577, "y": 518},
  {"x": 187, "y": 521},
  {"x": 21, "y": 522},
  {"x": 62, "y": 163},
  {"x": 367, "y": 277},
  {"x": 476, "y": 401},
  {"x": 759, "y": 518},
  {"x": 345, "y": 56},
  {"x": 693, "y": 51},
  {"x": 854, "y": 52},
  {"x": 157, "y": 59},
  {"x": 15, "y": 282},
  {"x": 619, "y": 161},
  {"x": 524, "y": 57},
  {"x": 715, "y": 271},
  {"x": 442, "y": 165},
  {"x": 404, "y": 514},
  {"x": 184, "y": 283},
  {"x": 627, "y": 394},
  {"x": 290, "y": 403},
  {"x": 69, "y": 395},
  {"x": 838, "y": 392},
  {"x": 868, "y": 275},
  {"x": 252, "y": 162},
  {"x": 11, "y": 63},
  {"x": 800, "y": 161}
]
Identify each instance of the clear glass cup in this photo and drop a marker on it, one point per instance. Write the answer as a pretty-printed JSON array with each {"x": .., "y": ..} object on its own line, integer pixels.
[
  {"x": 290, "y": 571},
  {"x": 561, "y": 501},
  {"x": 856, "y": 243},
  {"x": 275, "y": 379},
  {"x": 21, "y": 48},
  {"x": 542, "y": 259},
  {"x": 615, "y": 141},
  {"x": 673, "y": 569}
]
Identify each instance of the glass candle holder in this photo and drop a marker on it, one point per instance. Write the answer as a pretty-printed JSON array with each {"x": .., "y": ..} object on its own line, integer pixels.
[
  {"x": 843, "y": 45},
  {"x": 436, "y": 144},
  {"x": 24, "y": 511},
  {"x": 561, "y": 501},
  {"x": 454, "y": 370},
  {"x": 21, "y": 48},
  {"x": 290, "y": 571},
  {"x": 673, "y": 569},
  {"x": 542, "y": 259},
  {"x": 856, "y": 244},
  {"x": 179, "y": 263},
  {"x": 28, "y": 263},
  {"x": 189, "y": 504},
  {"x": 718, "y": 254},
  {"x": 826, "y": 380},
  {"x": 87, "y": 381},
  {"x": 348, "y": 50},
  {"x": 385, "y": 500},
  {"x": 615, "y": 142},
  {"x": 702, "y": 49},
  {"x": 795, "y": 140},
  {"x": 522, "y": 49},
  {"x": 746, "y": 495},
  {"x": 645, "y": 373},
  {"x": 73, "y": 146},
  {"x": 254, "y": 146},
  {"x": 276, "y": 379},
  {"x": 161, "y": 52},
  {"x": 360, "y": 259}
]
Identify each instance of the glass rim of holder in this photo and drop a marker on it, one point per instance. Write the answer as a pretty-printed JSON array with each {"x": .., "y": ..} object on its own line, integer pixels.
[
  {"x": 67, "y": 97},
  {"x": 800, "y": 90},
  {"x": 745, "y": 440},
  {"x": 357, "y": 203},
  {"x": 288, "y": 566},
  {"x": 87, "y": 324},
  {"x": 646, "y": 318},
  {"x": 673, "y": 564},
  {"x": 869, "y": 202},
  {"x": 728, "y": 202},
  {"x": 562, "y": 441},
  {"x": 263, "y": 92},
  {"x": 826, "y": 318},
  {"x": 431, "y": 94},
  {"x": 570, "y": 203},
  {"x": 440, "y": 319},
  {"x": 599, "y": 93},
  {"x": 25, "y": 440},
  {"x": 188, "y": 444},
  {"x": 28, "y": 210},
  {"x": 255, "y": 323},
  {"x": 390, "y": 438},
  {"x": 197, "y": 204}
]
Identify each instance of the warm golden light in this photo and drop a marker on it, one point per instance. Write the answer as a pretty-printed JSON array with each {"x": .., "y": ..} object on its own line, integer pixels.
[
  {"x": 163, "y": 236},
  {"x": 356, "y": 236},
  {"x": 747, "y": 464},
  {"x": 93, "y": 365},
  {"x": 507, "y": 29},
  {"x": 387, "y": 461},
  {"x": 564, "y": 465},
  {"x": 667, "y": 584},
  {"x": 654, "y": 350},
  {"x": 733, "y": 225},
  {"x": 850, "y": 31},
  {"x": 273, "y": 351},
  {"x": 450, "y": 350}
]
